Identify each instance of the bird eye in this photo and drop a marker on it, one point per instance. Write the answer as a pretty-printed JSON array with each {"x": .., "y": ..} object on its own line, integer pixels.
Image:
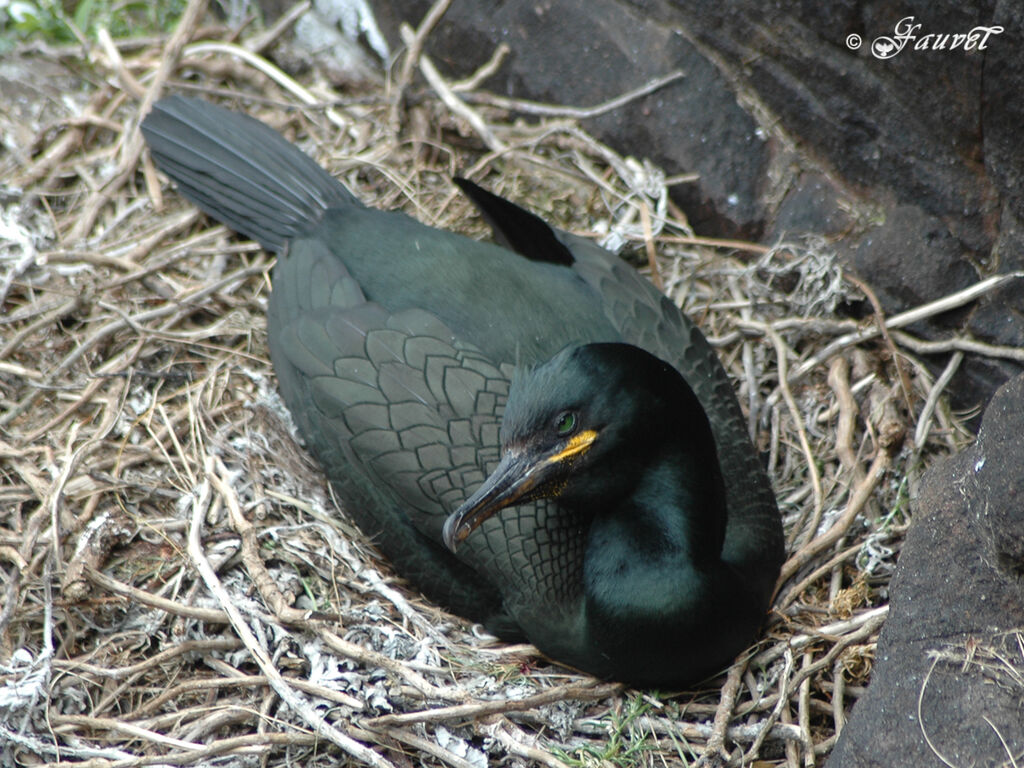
[{"x": 565, "y": 423}]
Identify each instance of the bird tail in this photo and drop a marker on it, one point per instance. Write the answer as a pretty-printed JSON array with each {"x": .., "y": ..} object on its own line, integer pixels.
[{"x": 240, "y": 171}]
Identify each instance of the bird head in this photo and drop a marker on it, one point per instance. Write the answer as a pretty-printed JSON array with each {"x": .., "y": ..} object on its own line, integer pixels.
[{"x": 578, "y": 428}]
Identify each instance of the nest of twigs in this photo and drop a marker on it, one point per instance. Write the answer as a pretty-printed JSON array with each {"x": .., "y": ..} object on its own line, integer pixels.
[{"x": 178, "y": 585}]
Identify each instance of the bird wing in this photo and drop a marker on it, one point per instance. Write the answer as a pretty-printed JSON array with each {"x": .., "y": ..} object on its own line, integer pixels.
[{"x": 405, "y": 417}]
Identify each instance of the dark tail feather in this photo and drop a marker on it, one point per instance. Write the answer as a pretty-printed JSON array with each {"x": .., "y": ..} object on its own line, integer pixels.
[{"x": 240, "y": 171}]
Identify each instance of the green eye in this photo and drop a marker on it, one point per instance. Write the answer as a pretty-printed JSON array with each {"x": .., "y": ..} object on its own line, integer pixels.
[{"x": 565, "y": 423}]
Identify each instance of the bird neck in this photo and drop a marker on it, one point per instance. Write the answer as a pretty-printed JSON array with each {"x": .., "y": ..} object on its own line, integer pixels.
[
  {"x": 661, "y": 541},
  {"x": 657, "y": 594}
]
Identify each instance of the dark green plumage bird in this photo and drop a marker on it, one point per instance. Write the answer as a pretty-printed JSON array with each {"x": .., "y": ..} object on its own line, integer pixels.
[{"x": 603, "y": 499}]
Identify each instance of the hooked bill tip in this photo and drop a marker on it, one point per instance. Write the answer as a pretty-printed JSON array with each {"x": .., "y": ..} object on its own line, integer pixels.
[{"x": 454, "y": 533}]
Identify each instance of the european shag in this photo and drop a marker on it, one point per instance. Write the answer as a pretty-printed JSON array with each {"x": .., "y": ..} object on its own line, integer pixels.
[{"x": 532, "y": 434}]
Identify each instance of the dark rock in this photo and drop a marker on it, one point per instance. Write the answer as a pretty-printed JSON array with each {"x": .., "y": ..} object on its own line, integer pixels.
[
  {"x": 997, "y": 318},
  {"x": 910, "y": 259},
  {"x": 910, "y": 123},
  {"x": 949, "y": 674},
  {"x": 1002, "y": 116},
  {"x": 811, "y": 206}
]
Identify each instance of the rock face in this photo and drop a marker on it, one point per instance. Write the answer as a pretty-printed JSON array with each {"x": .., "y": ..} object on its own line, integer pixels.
[
  {"x": 914, "y": 160},
  {"x": 949, "y": 674}
]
